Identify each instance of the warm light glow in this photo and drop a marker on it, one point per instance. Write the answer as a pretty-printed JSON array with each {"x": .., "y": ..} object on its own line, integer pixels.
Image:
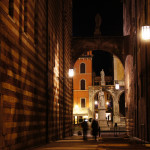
[
  {"x": 96, "y": 103},
  {"x": 71, "y": 72},
  {"x": 146, "y": 32},
  {"x": 96, "y": 115},
  {"x": 107, "y": 103},
  {"x": 85, "y": 116},
  {"x": 76, "y": 119},
  {"x": 117, "y": 86},
  {"x": 76, "y": 106}
]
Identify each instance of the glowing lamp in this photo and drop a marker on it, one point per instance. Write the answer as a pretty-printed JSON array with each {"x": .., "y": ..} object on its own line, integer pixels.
[
  {"x": 71, "y": 72},
  {"x": 107, "y": 103},
  {"x": 117, "y": 86},
  {"x": 96, "y": 103},
  {"x": 146, "y": 32},
  {"x": 76, "y": 106}
]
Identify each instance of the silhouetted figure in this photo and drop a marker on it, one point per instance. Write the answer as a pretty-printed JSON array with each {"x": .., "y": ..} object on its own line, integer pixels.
[
  {"x": 85, "y": 128},
  {"x": 99, "y": 129},
  {"x": 95, "y": 128},
  {"x": 108, "y": 117}
]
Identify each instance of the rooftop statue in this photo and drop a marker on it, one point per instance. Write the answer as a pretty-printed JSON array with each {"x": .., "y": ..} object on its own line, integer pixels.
[{"x": 97, "y": 24}]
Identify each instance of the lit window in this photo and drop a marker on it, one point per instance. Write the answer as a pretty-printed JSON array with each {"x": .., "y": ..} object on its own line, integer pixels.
[{"x": 82, "y": 68}]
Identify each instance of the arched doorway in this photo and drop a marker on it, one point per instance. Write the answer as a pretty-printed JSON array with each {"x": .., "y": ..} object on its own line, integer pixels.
[{"x": 86, "y": 100}]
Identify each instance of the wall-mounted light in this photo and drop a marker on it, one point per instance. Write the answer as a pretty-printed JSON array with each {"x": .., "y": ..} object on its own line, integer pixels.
[
  {"x": 146, "y": 32},
  {"x": 117, "y": 85},
  {"x": 71, "y": 73}
]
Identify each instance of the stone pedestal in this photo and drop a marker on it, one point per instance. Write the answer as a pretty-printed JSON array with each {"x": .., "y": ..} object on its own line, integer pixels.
[
  {"x": 102, "y": 83},
  {"x": 102, "y": 119}
]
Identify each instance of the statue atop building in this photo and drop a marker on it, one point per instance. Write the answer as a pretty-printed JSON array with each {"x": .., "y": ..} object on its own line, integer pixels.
[
  {"x": 97, "y": 25},
  {"x": 102, "y": 77}
]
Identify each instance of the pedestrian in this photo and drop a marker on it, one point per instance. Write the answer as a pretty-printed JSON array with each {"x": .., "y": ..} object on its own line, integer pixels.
[
  {"x": 85, "y": 129},
  {"x": 95, "y": 128},
  {"x": 99, "y": 130}
]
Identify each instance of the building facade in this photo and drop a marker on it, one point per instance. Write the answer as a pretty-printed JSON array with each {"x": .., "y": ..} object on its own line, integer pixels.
[
  {"x": 35, "y": 92},
  {"x": 81, "y": 82}
]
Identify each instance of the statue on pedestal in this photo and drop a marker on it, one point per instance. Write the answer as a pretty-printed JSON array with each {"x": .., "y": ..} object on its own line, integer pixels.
[
  {"x": 101, "y": 99},
  {"x": 102, "y": 111}
]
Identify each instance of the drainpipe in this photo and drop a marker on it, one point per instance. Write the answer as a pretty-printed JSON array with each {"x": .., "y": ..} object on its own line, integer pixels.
[
  {"x": 47, "y": 52},
  {"x": 146, "y": 59},
  {"x": 63, "y": 37}
]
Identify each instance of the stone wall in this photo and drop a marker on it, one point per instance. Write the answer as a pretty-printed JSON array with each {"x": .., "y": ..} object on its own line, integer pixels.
[
  {"x": 34, "y": 59},
  {"x": 137, "y": 71}
]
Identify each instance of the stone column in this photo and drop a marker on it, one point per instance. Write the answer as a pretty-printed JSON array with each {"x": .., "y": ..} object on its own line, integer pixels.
[{"x": 116, "y": 116}]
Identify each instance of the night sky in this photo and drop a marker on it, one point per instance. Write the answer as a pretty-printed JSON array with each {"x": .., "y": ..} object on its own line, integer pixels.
[
  {"x": 111, "y": 12},
  {"x": 84, "y": 12}
]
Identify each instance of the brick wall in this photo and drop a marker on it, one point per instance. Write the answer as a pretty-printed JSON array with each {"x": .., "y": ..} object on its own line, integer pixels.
[{"x": 34, "y": 58}]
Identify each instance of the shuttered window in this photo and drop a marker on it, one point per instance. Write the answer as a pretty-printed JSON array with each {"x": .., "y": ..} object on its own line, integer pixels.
[
  {"x": 82, "y": 102},
  {"x": 82, "y": 84},
  {"x": 82, "y": 68}
]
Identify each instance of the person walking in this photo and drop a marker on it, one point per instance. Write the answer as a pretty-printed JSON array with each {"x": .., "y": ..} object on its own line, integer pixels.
[
  {"x": 85, "y": 129},
  {"x": 95, "y": 128}
]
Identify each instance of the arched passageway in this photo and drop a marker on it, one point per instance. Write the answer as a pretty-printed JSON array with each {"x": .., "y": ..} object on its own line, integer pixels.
[
  {"x": 93, "y": 86},
  {"x": 112, "y": 44}
]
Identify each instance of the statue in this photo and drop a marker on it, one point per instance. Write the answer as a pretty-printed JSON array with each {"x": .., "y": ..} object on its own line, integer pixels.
[
  {"x": 101, "y": 99},
  {"x": 102, "y": 75},
  {"x": 97, "y": 24}
]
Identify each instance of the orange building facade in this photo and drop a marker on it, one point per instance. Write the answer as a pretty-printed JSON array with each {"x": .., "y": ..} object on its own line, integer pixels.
[{"x": 81, "y": 81}]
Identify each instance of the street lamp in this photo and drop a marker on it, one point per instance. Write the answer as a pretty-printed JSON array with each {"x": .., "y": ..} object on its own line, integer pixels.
[
  {"x": 71, "y": 73},
  {"x": 117, "y": 85},
  {"x": 146, "y": 38},
  {"x": 146, "y": 32}
]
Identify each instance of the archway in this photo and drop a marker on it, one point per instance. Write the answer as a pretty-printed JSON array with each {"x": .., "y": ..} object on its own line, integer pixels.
[
  {"x": 114, "y": 45},
  {"x": 88, "y": 96}
]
